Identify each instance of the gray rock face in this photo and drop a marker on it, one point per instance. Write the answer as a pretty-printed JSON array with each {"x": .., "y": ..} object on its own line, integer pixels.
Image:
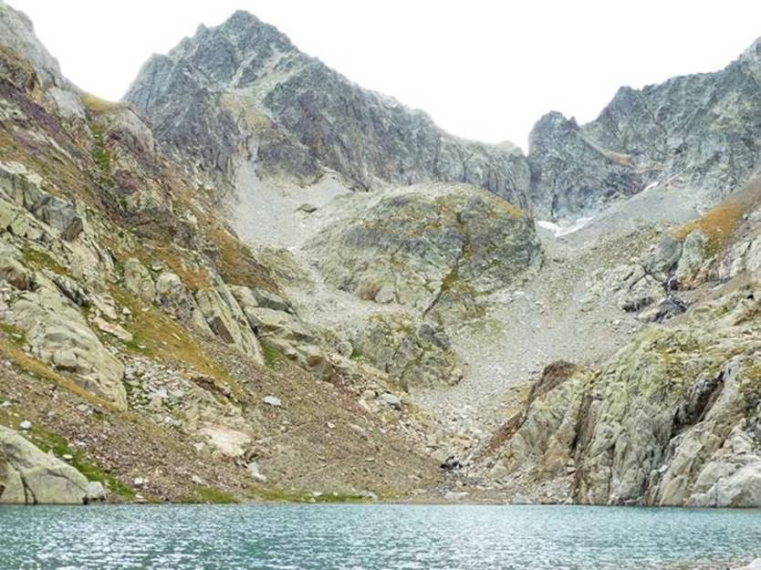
[
  {"x": 228, "y": 321},
  {"x": 242, "y": 90},
  {"x": 30, "y": 477},
  {"x": 571, "y": 174},
  {"x": 59, "y": 334},
  {"x": 672, "y": 419},
  {"x": 699, "y": 131},
  {"x": 17, "y": 33},
  {"x": 23, "y": 188},
  {"x": 138, "y": 280},
  {"x": 436, "y": 248}
]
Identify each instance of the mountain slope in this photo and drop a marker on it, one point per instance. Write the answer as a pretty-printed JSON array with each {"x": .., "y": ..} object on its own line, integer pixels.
[
  {"x": 291, "y": 362},
  {"x": 142, "y": 340}
]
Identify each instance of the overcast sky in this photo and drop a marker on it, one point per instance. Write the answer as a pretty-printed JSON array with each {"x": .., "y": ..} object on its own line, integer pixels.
[{"x": 484, "y": 69}]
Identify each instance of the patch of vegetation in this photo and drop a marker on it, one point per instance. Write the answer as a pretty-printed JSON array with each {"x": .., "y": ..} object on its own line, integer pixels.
[
  {"x": 236, "y": 263},
  {"x": 137, "y": 345},
  {"x": 48, "y": 441},
  {"x": 13, "y": 333},
  {"x": 95, "y": 104},
  {"x": 209, "y": 495},
  {"x": 751, "y": 388},
  {"x": 37, "y": 259},
  {"x": 273, "y": 354},
  {"x": 295, "y": 496},
  {"x": 356, "y": 354},
  {"x": 193, "y": 278},
  {"x": 718, "y": 225},
  {"x": 101, "y": 156}
]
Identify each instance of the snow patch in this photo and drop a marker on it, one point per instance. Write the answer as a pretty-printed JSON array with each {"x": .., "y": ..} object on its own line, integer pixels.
[
  {"x": 650, "y": 187},
  {"x": 559, "y": 230}
]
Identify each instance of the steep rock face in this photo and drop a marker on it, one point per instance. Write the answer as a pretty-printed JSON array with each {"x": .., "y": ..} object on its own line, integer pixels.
[
  {"x": 672, "y": 419},
  {"x": 697, "y": 131},
  {"x": 571, "y": 174},
  {"x": 242, "y": 90}
]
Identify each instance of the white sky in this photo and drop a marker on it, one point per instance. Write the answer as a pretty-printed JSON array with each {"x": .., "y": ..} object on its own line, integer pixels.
[{"x": 483, "y": 69}]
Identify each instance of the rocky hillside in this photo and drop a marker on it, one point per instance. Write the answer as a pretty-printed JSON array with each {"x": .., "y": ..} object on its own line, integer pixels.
[{"x": 143, "y": 346}]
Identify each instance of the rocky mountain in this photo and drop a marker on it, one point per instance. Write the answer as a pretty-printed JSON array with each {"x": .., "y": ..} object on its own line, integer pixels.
[
  {"x": 673, "y": 417},
  {"x": 244, "y": 86},
  {"x": 697, "y": 131},
  {"x": 255, "y": 279},
  {"x": 243, "y": 91}
]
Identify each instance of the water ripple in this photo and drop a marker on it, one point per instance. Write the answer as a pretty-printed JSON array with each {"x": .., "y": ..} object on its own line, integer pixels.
[{"x": 371, "y": 537}]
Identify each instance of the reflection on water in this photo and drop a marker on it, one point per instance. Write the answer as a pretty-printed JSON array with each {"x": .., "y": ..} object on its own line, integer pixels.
[{"x": 372, "y": 537}]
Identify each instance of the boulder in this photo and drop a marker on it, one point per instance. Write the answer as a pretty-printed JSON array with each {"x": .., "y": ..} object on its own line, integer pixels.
[
  {"x": 640, "y": 294},
  {"x": 138, "y": 280},
  {"x": 391, "y": 400},
  {"x": 96, "y": 492},
  {"x": 250, "y": 297},
  {"x": 693, "y": 259},
  {"x": 271, "y": 323},
  {"x": 226, "y": 319},
  {"x": 273, "y": 401},
  {"x": 256, "y": 473},
  {"x": 664, "y": 258},
  {"x": 32, "y": 477}
]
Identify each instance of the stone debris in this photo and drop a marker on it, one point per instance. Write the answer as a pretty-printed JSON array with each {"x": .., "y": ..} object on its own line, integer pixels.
[{"x": 273, "y": 401}]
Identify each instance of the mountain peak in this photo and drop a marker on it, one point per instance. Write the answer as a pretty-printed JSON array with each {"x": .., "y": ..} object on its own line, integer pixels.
[
  {"x": 241, "y": 18},
  {"x": 247, "y": 33}
]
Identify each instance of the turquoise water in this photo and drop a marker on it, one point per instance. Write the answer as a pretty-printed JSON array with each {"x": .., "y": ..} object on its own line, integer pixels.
[{"x": 371, "y": 537}]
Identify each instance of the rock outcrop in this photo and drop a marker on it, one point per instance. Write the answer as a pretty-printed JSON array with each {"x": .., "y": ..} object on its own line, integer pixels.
[
  {"x": 434, "y": 247},
  {"x": 415, "y": 354},
  {"x": 30, "y": 477},
  {"x": 672, "y": 419}
]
